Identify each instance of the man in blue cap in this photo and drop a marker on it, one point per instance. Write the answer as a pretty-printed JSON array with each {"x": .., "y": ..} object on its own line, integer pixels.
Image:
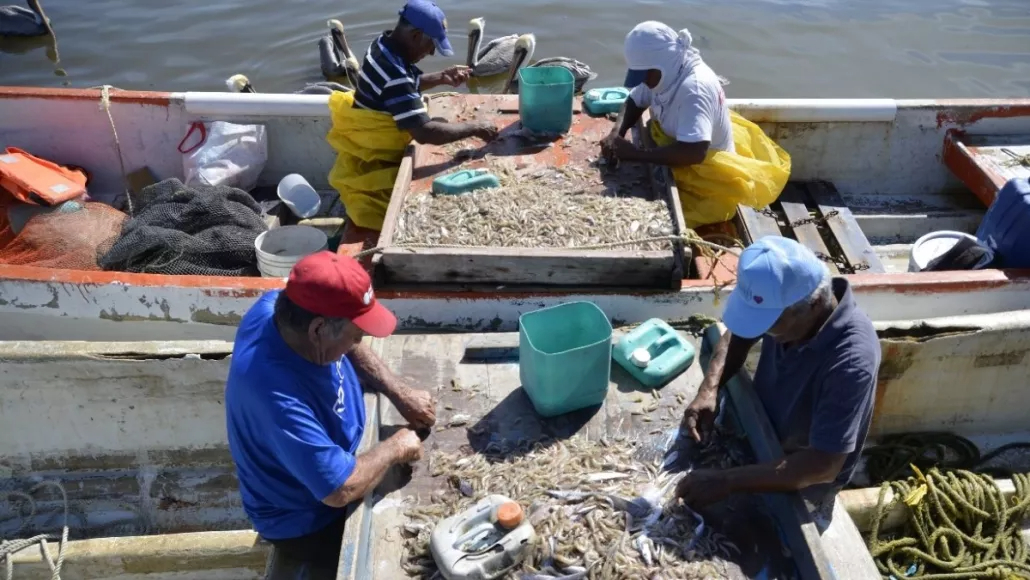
[
  {"x": 816, "y": 376},
  {"x": 390, "y": 82}
]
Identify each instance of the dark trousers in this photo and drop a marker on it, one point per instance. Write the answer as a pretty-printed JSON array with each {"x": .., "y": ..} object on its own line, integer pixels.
[{"x": 315, "y": 556}]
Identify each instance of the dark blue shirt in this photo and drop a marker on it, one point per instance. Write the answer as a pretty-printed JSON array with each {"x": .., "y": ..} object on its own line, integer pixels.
[
  {"x": 294, "y": 427},
  {"x": 387, "y": 83},
  {"x": 819, "y": 394}
]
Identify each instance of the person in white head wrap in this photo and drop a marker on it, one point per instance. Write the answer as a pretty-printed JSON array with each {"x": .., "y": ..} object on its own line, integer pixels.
[
  {"x": 684, "y": 95},
  {"x": 719, "y": 159}
]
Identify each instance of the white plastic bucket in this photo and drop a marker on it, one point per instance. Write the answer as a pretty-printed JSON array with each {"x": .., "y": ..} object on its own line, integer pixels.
[
  {"x": 299, "y": 196},
  {"x": 279, "y": 249},
  {"x": 936, "y": 244}
]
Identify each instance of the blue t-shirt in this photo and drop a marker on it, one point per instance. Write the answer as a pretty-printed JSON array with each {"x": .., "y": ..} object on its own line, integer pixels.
[
  {"x": 820, "y": 394},
  {"x": 294, "y": 427}
]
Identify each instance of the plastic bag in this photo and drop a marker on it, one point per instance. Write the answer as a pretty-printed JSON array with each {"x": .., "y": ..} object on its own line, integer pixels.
[
  {"x": 227, "y": 154},
  {"x": 369, "y": 148},
  {"x": 754, "y": 176}
]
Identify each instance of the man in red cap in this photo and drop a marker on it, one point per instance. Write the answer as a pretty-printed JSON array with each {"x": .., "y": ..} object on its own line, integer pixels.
[{"x": 295, "y": 411}]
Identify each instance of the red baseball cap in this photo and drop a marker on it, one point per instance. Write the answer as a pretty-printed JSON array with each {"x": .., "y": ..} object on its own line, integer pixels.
[{"x": 337, "y": 286}]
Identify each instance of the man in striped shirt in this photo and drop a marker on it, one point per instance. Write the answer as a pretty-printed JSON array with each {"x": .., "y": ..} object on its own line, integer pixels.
[
  {"x": 369, "y": 147},
  {"x": 390, "y": 82}
]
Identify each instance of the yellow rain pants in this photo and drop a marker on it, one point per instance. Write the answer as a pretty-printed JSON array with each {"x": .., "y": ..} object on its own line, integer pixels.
[
  {"x": 369, "y": 148},
  {"x": 754, "y": 175}
]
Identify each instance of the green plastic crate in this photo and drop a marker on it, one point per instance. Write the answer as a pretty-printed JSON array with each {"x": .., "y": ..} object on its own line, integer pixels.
[
  {"x": 545, "y": 99},
  {"x": 565, "y": 357}
]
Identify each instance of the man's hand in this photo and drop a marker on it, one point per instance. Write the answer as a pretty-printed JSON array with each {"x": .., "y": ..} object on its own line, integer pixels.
[
  {"x": 484, "y": 130},
  {"x": 416, "y": 406},
  {"x": 616, "y": 148},
  {"x": 702, "y": 487},
  {"x": 608, "y": 147},
  {"x": 456, "y": 75},
  {"x": 699, "y": 417},
  {"x": 407, "y": 446}
]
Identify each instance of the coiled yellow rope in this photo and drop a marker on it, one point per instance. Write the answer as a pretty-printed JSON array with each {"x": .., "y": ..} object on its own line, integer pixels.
[{"x": 961, "y": 528}]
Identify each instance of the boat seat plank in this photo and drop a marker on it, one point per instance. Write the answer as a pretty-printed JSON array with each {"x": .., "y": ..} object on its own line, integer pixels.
[
  {"x": 754, "y": 224},
  {"x": 984, "y": 163},
  {"x": 478, "y": 375},
  {"x": 853, "y": 242},
  {"x": 792, "y": 200}
]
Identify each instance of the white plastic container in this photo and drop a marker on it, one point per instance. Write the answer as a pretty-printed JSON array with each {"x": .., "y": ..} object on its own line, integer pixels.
[
  {"x": 471, "y": 546},
  {"x": 279, "y": 249},
  {"x": 299, "y": 196},
  {"x": 936, "y": 244}
]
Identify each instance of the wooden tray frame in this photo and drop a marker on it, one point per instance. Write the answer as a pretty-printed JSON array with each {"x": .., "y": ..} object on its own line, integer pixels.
[{"x": 529, "y": 267}]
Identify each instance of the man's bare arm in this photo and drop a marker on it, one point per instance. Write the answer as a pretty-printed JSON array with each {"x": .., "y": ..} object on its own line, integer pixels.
[
  {"x": 673, "y": 155},
  {"x": 415, "y": 405},
  {"x": 442, "y": 132},
  {"x": 373, "y": 372},
  {"x": 793, "y": 472},
  {"x": 371, "y": 466},
  {"x": 728, "y": 358},
  {"x": 629, "y": 114}
]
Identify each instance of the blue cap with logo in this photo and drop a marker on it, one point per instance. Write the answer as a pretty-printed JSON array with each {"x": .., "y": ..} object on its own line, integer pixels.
[
  {"x": 772, "y": 274},
  {"x": 427, "y": 17}
]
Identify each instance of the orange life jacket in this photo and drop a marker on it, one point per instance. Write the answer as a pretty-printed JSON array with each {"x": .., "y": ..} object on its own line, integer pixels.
[{"x": 38, "y": 181}]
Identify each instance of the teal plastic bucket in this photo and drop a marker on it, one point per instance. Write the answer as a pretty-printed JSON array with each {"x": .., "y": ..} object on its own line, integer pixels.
[
  {"x": 545, "y": 99},
  {"x": 565, "y": 357}
]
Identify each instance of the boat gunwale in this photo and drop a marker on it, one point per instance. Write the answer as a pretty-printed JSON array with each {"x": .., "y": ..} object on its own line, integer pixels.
[{"x": 905, "y": 282}]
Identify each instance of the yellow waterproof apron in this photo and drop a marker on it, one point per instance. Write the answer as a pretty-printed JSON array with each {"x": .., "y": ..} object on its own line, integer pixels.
[
  {"x": 369, "y": 149},
  {"x": 754, "y": 175}
]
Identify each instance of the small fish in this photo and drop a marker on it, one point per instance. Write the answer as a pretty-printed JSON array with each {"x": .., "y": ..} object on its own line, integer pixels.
[
  {"x": 569, "y": 495},
  {"x": 459, "y": 420},
  {"x": 606, "y": 476},
  {"x": 415, "y": 529},
  {"x": 465, "y": 488},
  {"x": 541, "y": 576}
]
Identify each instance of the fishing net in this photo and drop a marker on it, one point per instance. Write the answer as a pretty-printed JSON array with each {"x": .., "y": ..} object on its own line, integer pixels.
[
  {"x": 70, "y": 236},
  {"x": 198, "y": 230}
]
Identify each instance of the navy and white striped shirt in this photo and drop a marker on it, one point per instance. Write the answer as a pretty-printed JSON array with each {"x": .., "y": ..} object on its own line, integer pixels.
[{"x": 387, "y": 83}]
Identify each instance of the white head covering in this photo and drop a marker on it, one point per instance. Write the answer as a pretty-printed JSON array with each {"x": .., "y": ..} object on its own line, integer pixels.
[{"x": 653, "y": 45}]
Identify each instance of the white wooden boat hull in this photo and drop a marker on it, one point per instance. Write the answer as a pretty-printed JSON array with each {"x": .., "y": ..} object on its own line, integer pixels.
[
  {"x": 884, "y": 156},
  {"x": 136, "y": 431}
]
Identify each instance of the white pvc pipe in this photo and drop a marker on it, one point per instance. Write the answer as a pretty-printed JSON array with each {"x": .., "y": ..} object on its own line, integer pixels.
[
  {"x": 249, "y": 105},
  {"x": 231, "y": 105},
  {"x": 816, "y": 110}
]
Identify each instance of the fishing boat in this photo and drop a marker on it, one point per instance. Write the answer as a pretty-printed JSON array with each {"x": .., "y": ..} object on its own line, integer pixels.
[
  {"x": 134, "y": 432},
  {"x": 892, "y": 170}
]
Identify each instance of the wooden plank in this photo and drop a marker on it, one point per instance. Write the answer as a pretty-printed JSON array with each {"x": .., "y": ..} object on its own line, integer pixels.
[
  {"x": 355, "y": 546},
  {"x": 753, "y": 224},
  {"x": 856, "y": 247},
  {"x": 847, "y": 558},
  {"x": 793, "y": 202},
  {"x": 538, "y": 266},
  {"x": 663, "y": 182},
  {"x": 401, "y": 187}
]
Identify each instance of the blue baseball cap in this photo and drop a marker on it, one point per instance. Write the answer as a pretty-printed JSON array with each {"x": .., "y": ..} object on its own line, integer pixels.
[
  {"x": 427, "y": 17},
  {"x": 772, "y": 274}
]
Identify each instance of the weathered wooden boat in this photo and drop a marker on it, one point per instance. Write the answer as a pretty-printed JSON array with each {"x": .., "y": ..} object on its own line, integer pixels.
[
  {"x": 892, "y": 170},
  {"x": 134, "y": 431}
]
